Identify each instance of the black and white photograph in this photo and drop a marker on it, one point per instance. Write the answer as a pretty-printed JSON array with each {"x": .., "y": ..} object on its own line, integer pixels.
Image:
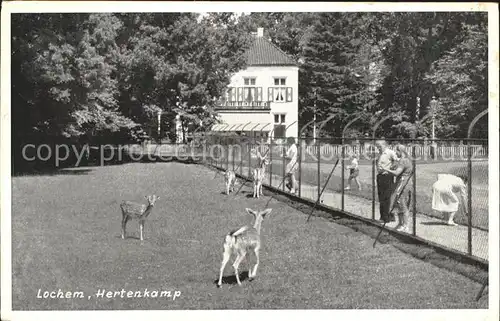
[{"x": 223, "y": 160}]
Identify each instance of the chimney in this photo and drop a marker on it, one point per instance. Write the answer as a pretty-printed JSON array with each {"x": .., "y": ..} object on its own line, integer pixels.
[{"x": 260, "y": 32}]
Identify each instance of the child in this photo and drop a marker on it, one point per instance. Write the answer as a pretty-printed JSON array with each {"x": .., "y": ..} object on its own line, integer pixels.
[
  {"x": 353, "y": 172},
  {"x": 291, "y": 166}
]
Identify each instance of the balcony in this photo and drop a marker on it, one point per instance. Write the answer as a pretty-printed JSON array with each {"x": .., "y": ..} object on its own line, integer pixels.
[{"x": 243, "y": 105}]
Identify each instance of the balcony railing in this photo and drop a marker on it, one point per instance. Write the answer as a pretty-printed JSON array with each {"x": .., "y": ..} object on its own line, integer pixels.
[{"x": 243, "y": 105}]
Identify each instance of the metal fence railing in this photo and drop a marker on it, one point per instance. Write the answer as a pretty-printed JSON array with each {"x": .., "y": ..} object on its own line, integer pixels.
[
  {"x": 428, "y": 159},
  {"x": 316, "y": 160}
]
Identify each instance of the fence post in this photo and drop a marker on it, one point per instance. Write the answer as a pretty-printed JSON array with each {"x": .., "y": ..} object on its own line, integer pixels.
[
  {"x": 301, "y": 153},
  {"x": 212, "y": 151},
  {"x": 283, "y": 164},
  {"x": 469, "y": 199},
  {"x": 343, "y": 157},
  {"x": 245, "y": 146},
  {"x": 414, "y": 198},
  {"x": 319, "y": 166},
  {"x": 216, "y": 153},
  {"x": 343, "y": 174},
  {"x": 232, "y": 152},
  {"x": 322, "y": 124},
  {"x": 299, "y": 140},
  {"x": 270, "y": 162},
  {"x": 374, "y": 164},
  {"x": 271, "y": 133},
  {"x": 249, "y": 159},
  {"x": 227, "y": 158},
  {"x": 469, "y": 185},
  {"x": 206, "y": 148},
  {"x": 241, "y": 147},
  {"x": 372, "y": 154},
  {"x": 414, "y": 168},
  {"x": 219, "y": 153}
]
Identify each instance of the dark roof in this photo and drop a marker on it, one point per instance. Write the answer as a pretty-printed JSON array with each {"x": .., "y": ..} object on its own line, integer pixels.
[{"x": 264, "y": 53}]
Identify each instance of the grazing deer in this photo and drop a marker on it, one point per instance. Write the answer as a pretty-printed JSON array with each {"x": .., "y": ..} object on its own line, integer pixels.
[
  {"x": 240, "y": 242},
  {"x": 137, "y": 211},
  {"x": 258, "y": 174},
  {"x": 230, "y": 179}
]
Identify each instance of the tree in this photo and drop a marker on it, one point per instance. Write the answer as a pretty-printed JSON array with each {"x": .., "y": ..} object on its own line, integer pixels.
[
  {"x": 82, "y": 76},
  {"x": 336, "y": 71},
  {"x": 461, "y": 80},
  {"x": 410, "y": 44},
  {"x": 65, "y": 77}
]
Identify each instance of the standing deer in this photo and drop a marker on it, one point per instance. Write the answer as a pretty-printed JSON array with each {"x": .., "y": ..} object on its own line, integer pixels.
[
  {"x": 137, "y": 211},
  {"x": 230, "y": 180},
  {"x": 240, "y": 242},
  {"x": 258, "y": 174}
]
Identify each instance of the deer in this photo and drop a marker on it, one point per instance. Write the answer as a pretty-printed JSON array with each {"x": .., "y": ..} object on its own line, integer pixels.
[
  {"x": 230, "y": 180},
  {"x": 242, "y": 241},
  {"x": 259, "y": 173},
  {"x": 137, "y": 211}
]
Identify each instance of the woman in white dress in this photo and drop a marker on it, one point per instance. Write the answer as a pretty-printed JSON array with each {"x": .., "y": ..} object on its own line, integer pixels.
[{"x": 444, "y": 198}]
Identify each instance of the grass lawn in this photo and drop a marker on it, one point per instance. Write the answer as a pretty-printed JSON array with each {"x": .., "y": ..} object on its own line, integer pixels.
[{"x": 66, "y": 235}]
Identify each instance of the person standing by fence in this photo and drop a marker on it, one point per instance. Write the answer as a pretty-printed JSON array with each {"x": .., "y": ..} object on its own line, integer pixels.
[
  {"x": 291, "y": 166},
  {"x": 403, "y": 174},
  {"x": 444, "y": 199},
  {"x": 385, "y": 180}
]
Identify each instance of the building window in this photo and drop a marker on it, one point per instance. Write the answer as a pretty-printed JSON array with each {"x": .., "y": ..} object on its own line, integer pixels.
[
  {"x": 247, "y": 81},
  {"x": 279, "y": 94},
  {"x": 279, "y": 125},
  {"x": 280, "y": 81},
  {"x": 250, "y": 94},
  {"x": 279, "y": 118}
]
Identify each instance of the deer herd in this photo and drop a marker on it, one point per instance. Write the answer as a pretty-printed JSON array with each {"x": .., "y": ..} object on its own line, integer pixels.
[
  {"x": 258, "y": 175},
  {"x": 237, "y": 243}
]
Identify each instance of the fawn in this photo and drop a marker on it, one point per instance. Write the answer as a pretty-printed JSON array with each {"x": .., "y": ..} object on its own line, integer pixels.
[
  {"x": 230, "y": 179},
  {"x": 240, "y": 242},
  {"x": 258, "y": 174},
  {"x": 137, "y": 211}
]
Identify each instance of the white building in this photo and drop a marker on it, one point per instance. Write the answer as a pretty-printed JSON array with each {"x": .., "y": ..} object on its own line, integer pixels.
[{"x": 262, "y": 100}]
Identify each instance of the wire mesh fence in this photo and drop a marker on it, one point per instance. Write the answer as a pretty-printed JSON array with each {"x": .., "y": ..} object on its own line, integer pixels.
[{"x": 356, "y": 185}]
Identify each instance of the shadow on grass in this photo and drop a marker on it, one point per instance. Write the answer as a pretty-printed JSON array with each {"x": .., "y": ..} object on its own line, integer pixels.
[
  {"x": 51, "y": 172},
  {"x": 434, "y": 223},
  {"x": 41, "y": 170},
  {"x": 131, "y": 237},
  {"x": 231, "y": 279},
  {"x": 165, "y": 159}
]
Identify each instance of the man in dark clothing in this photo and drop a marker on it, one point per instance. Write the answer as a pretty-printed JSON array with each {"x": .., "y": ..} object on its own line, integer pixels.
[
  {"x": 385, "y": 181},
  {"x": 402, "y": 173}
]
